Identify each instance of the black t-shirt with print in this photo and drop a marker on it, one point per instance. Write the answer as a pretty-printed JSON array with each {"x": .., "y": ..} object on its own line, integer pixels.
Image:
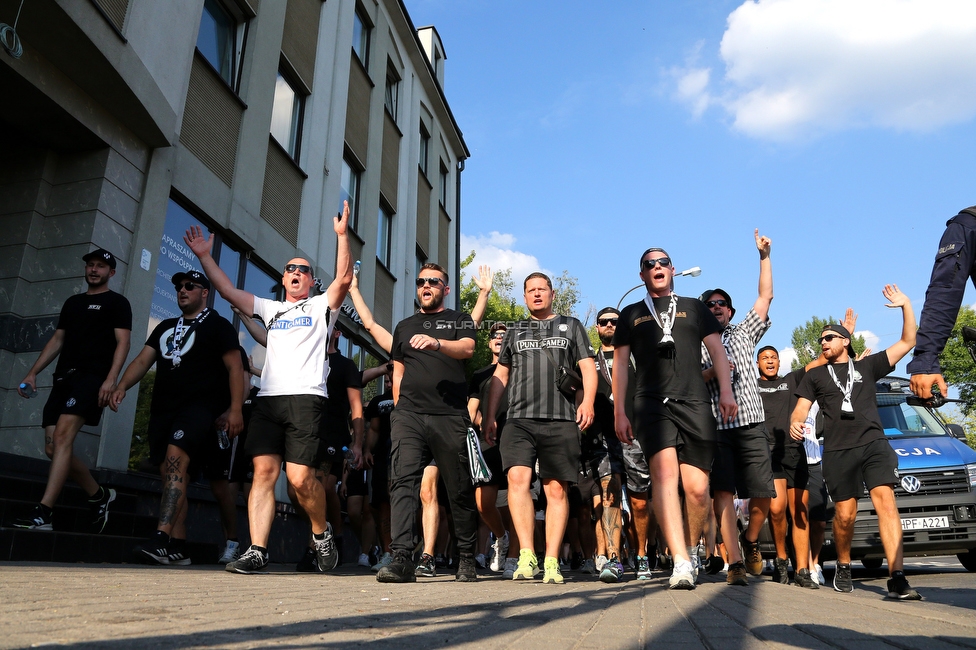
[
  {"x": 672, "y": 375},
  {"x": 201, "y": 375},
  {"x": 603, "y": 405},
  {"x": 89, "y": 323},
  {"x": 778, "y": 403},
  {"x": 380, "y": 407},
  {"x": 865, "y": 427},
  {"x": 343, "y": 374},
  {"x": 432, "y": 382}
]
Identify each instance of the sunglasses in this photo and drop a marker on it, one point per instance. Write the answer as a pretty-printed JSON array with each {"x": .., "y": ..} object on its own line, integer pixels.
[
  {"x": 829, "y": 337},
  {"x": 498, "y": 335},
  {"x": 301, "y": 268},
  {"x": 720, "y": 303},
  {"x": 603, "y": 322},
  {"x": 433, "y": 282},
  {"x": 647, "y": 265},
  {"x": 189, "y": 286}
]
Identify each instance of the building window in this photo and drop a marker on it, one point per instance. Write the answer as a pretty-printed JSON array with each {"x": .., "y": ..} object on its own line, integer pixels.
[
  {"x": 424, "y": 148},
  {"x": 421, "y": 260},
  {"x": 443, "y": 186},
  {"x": 218, "y": 40},
  {"x": 286, "y": 116},
  {"x": 392, "y": 98},
  {"x": 360, "y": 38},
  {"x": 349, "y": 191},
  {"x": 384, "y": 235}
]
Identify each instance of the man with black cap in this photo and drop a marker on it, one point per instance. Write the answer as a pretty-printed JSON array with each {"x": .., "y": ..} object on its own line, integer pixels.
[
  {"x": 672, "y": 413},
  {"x": 856, "y": 453},
  {"x": 199, "y": 379},
  {"x": 91, "y": 342},
  {"x": 742, "y": 461}
]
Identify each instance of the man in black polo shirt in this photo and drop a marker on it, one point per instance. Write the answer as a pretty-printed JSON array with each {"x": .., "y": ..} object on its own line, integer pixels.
[
  {"x": 856, "y": 453},
  {"x": 91, "y": 342},
  {"x": 672, "y": 410},
  {"x": 199, "y": 379},
  {"x": 542, "y": 422},
  {"x": 430, "y": 421}
]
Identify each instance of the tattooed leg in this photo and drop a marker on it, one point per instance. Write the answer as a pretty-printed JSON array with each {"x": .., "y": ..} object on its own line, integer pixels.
[
  {"x": 611, "y": 513},
  {"x": 173, "y": 502}
]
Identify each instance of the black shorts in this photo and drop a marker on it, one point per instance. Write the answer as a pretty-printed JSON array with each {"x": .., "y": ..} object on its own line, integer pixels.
[
  {"x": 555, "y": 443},
  {"x": 75, "y": 393},
  {"x": 817, "y": 507},
  {"x": 189, "y": 427},
  {"x": 742, "y": 463},
  {"x": 287, "y": 426},
  {"x": 689, "y": 427},
  {"x": 493, "y": 458},
  {"x": 636, "y": 469},
  {"x": 356, "y": 485},
  {"x": 848, "y": 471},
  {"x": 589, "y": 489},
  {"x": 790, "y": 463}
]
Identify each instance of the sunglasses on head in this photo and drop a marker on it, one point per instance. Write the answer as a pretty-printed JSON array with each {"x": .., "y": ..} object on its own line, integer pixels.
[
  {"x": 720, "y": 303},
  {"x": 603, "y": 322},
  {"x": 302, "y": 268},
  {"x": 829, "y": 337},
  {"x": 433, "y": 282},
  {"x": 189, "y": 286},
  {"x": 647, "y": 265}
]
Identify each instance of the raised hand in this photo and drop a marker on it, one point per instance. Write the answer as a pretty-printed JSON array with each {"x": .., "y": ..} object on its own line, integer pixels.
[
  {"x": 894, "y": 296},
  {"x": 850, "y": 320},
  {"x": 198, "y": 243},
  {"x": 340, "y": 224},
  {"x": 763, "y": 243},
  {"x": 485, "y": 277}
]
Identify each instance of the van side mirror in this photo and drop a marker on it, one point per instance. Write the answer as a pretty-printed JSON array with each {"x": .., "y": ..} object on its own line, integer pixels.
[{"x": 957, "y": 431}]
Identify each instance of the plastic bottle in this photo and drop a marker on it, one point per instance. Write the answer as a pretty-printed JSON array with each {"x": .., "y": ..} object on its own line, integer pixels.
[
  {"x": 222, "y": 440},
  {"x": 28, "y": 390}
]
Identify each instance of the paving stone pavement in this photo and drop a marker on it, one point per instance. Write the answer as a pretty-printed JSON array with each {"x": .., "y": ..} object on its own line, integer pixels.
[{"x": 126, "y": 606}]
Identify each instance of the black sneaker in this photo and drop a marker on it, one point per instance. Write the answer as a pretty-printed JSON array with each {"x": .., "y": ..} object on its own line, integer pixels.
[
  {"x": 467, "y": 571},
  {"x": 803, "y": 578},
  {"x": 714, "y": 564},
  {"x": 899, "y": 589},
  {"x": 842, "y": 578},
  {"x": 781, "y": 572},
  {"x": 252, "y": 561},
  {"x": 575, "y": 562},
  {"x": 309, "y": 562},
  {"x": 99, "y": 509},
  {"x": 752, "y": 556},
  {"x": 401, "y": 569},
  {"x": 325, "y": 549},
  {"x": 426, "y": 566},
  {"x": 38, "y": 520},
  {"x": 154, "y": 550}
]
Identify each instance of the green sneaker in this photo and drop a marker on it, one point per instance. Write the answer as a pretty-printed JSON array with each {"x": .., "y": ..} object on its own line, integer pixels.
[
  {"x": 552, "y": 575},
  {"x": 528, "y": 566}
]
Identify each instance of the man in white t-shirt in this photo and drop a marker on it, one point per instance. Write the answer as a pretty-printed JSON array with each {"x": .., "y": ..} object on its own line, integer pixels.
[{"x": 290, "y": 407}]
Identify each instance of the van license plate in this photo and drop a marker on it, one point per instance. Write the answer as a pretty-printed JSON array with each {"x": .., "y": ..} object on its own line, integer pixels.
[{"x": 925, "y": 523}]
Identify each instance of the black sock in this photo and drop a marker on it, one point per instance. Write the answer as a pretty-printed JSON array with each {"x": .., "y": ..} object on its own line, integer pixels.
[
  {"x": 47, "y": 511},
  {"x": 175, "y": 544},
  {"x": 319, "y": 536},
  {"x": 262, "y": 549},
  {"x": 162, "y": 537},
  {"x": 98, "y": 496},
  {"x": 897, "y": 574}
]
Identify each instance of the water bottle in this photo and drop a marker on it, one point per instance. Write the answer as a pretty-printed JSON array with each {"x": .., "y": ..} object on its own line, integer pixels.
[
  {"x": 222, "y": 440},
  {"x": 355, "y": 268},
  {"x": 28, "y": 390}
]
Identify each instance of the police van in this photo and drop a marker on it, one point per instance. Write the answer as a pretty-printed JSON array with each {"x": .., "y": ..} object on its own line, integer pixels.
[{"x": 936, "y": 492}]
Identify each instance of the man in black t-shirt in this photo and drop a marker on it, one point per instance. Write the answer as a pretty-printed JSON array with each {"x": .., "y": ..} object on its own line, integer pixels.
[
  {"x": 430, "y": 421},
  {"x": 542, "y": 423},
  {"x": 672, "y": 410},
  {"x": 199, "y": 379},
  {"x": 91, "y": 342},
  {"x": 856, "y": 453}
]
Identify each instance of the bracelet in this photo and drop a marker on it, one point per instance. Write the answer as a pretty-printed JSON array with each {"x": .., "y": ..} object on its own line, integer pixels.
[{"x": 438, "y": 345}]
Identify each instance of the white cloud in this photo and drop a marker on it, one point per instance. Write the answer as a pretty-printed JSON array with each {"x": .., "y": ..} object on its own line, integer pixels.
[
  {"x": 497, "y": 250},
  {"x": 799, "y": 67},
  {"x": 871, "y": 339},
  {"x": 786, "y": 358}
]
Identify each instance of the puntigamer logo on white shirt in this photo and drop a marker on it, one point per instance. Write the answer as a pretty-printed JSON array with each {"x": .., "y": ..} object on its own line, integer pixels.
[{"x": 301, "y": 321}]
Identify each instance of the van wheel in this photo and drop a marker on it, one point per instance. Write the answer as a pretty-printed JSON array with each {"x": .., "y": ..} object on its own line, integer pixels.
[
  {"x": 968, "y": 560},
  {"x": 872, "y": 563}
]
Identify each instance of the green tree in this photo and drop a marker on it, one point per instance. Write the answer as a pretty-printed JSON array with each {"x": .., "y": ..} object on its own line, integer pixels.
[
  {"x": 967, "y": 421},
  {"x": 805, "y": 343},
  {"x": 502, "y": 306},
  {"x": 567, "y": 295},
  {"x": 957, "y": 364}
]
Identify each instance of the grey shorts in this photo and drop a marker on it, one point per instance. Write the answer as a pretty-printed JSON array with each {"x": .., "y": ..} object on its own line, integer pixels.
[{"x": 636, "y": 469}]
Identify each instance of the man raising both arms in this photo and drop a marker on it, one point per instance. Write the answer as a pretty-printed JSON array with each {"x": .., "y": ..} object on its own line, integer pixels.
[
  {"x": 672, "y": 411},
  {"x": 289, "y": 408}
]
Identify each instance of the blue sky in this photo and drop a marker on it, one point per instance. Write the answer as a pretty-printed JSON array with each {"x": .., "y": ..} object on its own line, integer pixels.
[{"x": 842, "y": 130}]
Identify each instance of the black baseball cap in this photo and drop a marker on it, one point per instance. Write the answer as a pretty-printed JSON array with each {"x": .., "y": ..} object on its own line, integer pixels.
[
  {"x": 708, "y": 294},
  {"x": 608, "y": 310},
  {"x": 653, "y": 250},
  {"x": 840, "y": 329},
  {"x": 191, "y": 276},
  {"x": 100, "y": 254}
]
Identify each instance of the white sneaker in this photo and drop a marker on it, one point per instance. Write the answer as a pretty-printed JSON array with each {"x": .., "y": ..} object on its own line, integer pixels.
[
  {"x": 232, "y": 551},
  {"x": 499, "y": 552},
  {"x": 386, "y": 560},
  {"x": 682, "y": 577},
  {"x": 364, "y": 560},
  {"x": 601, "y": 562},
  {"x": 510, "y": 565},
  {"x": 818, "y": 574}
]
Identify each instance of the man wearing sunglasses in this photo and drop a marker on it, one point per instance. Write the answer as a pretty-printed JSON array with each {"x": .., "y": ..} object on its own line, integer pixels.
[
  {"x": 742, "y": 463},
  {"x": 199, "y": 379},
  {"x": 430, "y": 421},
  {"x": 856, "y": 453},
  {"x": 290, "y": 407},
  {"x": 672, "y": 415}
]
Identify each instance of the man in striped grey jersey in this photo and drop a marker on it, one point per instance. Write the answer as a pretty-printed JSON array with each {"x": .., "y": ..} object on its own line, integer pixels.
[{"x": 543, "y": 423}]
